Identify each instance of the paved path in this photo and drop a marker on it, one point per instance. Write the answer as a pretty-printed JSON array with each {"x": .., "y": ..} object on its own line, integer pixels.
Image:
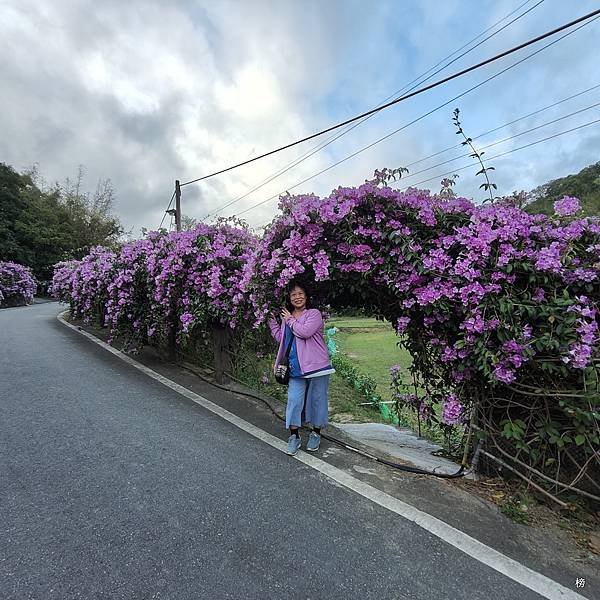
[{"x": 113, "y": 486}]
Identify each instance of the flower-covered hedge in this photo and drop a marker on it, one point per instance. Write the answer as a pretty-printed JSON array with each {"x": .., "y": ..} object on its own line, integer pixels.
[
  {"x": 61, "y": 286},
  {"x": 471, "y": 281},
  {"x": 17, "y": 285},
  {"x": 164, "y": 284},
  {"x": 200, "y": 277},
  {"x": 498, "y": 308},
  {"x": 84, "y": 284}
]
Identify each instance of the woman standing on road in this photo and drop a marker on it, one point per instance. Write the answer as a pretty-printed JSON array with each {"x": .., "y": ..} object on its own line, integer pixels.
[{"x": 309, "y": 366}]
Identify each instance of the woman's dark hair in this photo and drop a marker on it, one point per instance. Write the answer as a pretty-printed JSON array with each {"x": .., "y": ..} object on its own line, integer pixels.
[{"x": 291, "y": 285}]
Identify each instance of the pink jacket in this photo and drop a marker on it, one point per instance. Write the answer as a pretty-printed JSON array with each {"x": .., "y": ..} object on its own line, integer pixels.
[{"x": 310, "y": 345}]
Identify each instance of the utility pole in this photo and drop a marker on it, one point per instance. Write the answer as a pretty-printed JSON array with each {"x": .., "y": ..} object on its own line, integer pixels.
[{"x": 177, "y": 205}]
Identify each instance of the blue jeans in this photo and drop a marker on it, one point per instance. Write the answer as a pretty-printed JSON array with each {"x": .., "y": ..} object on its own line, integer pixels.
[{"x": 316, "y": 408}]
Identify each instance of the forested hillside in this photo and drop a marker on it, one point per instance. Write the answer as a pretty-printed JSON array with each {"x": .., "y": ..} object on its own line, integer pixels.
[{"x": 585, "y": 185}]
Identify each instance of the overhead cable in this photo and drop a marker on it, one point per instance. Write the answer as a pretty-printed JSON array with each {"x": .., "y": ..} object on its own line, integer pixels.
[
  {"x": 485, "y": 133},
  {"x": 417, "y": 119},
  {"x": 506, "y": 139},
  {"x": 406, "y": 96},
  {"x": 470, "y": 165},
  {"x": 417, "y": 81},
  {"x": 166, "y": 211},
  {"x": 499, "y": 127}
]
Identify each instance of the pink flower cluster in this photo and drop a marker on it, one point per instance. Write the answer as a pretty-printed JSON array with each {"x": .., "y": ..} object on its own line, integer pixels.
[
  {"x": 481, "y": 289},
  {"x": 452, "y": 411},
  {"x": 84, "y": 283},
  {"x": 163, "y": 282},
  {"x": 480, "y": 293},
  {"x": 581, "y": 351},
  {"x": 17, "y": 284},
  {"x": 567, "y": 206}
]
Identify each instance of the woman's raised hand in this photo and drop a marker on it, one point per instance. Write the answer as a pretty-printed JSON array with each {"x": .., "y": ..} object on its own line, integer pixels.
[{"x": 285, "y": 314}]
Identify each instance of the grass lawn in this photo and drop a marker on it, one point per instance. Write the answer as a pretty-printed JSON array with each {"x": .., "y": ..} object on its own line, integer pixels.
[
  {"x": 372, "y": 348},
  {"x": 343, "y": 404},
  {"x": 357, "y": 322}
]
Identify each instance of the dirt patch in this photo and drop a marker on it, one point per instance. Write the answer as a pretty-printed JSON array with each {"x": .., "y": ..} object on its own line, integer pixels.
[
  {"x": 522, "y": 506},
  {"x": 345, "y": 417}
]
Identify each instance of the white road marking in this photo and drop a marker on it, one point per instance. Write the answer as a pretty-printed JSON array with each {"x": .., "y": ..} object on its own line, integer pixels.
[{"x": 542, "y": 585}]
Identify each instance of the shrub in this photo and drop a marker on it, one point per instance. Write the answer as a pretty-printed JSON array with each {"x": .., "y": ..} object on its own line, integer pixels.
[
  {"x": 498, "y": 308},
  {"x": 17, "y": 285}
]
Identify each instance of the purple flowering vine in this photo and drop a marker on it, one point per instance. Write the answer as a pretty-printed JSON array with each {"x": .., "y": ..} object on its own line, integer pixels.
[{"x": 17, "y": 284}]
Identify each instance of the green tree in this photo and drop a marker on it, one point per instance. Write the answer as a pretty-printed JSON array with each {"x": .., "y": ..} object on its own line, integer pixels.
[
  {"x": 188, "y": 223},
  {"x": 585, "y": 185},
  {"x": 12, "y": 205},
  {"x": 89, "y": 216},
  {"x": 32, "y": 230},
  {"x": 41, "y": 227}
]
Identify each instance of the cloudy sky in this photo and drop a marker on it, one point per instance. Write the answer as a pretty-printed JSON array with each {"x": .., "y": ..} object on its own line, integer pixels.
[{"x": 146, "y": 92}]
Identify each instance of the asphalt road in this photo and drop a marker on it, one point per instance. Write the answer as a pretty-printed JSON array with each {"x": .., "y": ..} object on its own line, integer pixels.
[{"x": 114, "y": 486}]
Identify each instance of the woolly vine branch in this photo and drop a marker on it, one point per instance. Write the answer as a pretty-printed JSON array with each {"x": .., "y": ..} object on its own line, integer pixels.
[{"x": 475, "y": 154}]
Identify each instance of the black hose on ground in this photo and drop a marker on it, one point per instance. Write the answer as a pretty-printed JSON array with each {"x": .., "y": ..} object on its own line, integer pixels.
[{"x": 460, "y": 473}]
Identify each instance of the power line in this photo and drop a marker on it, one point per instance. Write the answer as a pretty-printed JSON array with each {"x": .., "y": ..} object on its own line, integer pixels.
[
  {"x": 535, "y": 112},
  {"x": 417, "y": 119},
  {"x": 405, "y": 97},
  {"x": 416, "y": 81},
  {"x": 166, "y": 211},
  {"x": 470, "y": 165},
  {"x": 531, "y": 114},
  {"x": 512, "y": 137}
]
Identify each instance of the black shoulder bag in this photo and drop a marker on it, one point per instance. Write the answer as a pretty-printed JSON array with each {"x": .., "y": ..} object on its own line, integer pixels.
[{"x": 282, "y": 372}]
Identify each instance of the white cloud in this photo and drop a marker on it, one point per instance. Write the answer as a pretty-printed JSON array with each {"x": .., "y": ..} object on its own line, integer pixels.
[{"x": 149, "y": 92}]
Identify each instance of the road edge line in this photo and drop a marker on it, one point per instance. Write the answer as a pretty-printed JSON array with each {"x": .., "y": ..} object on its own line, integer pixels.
[{"x": 514, "y": 570}]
